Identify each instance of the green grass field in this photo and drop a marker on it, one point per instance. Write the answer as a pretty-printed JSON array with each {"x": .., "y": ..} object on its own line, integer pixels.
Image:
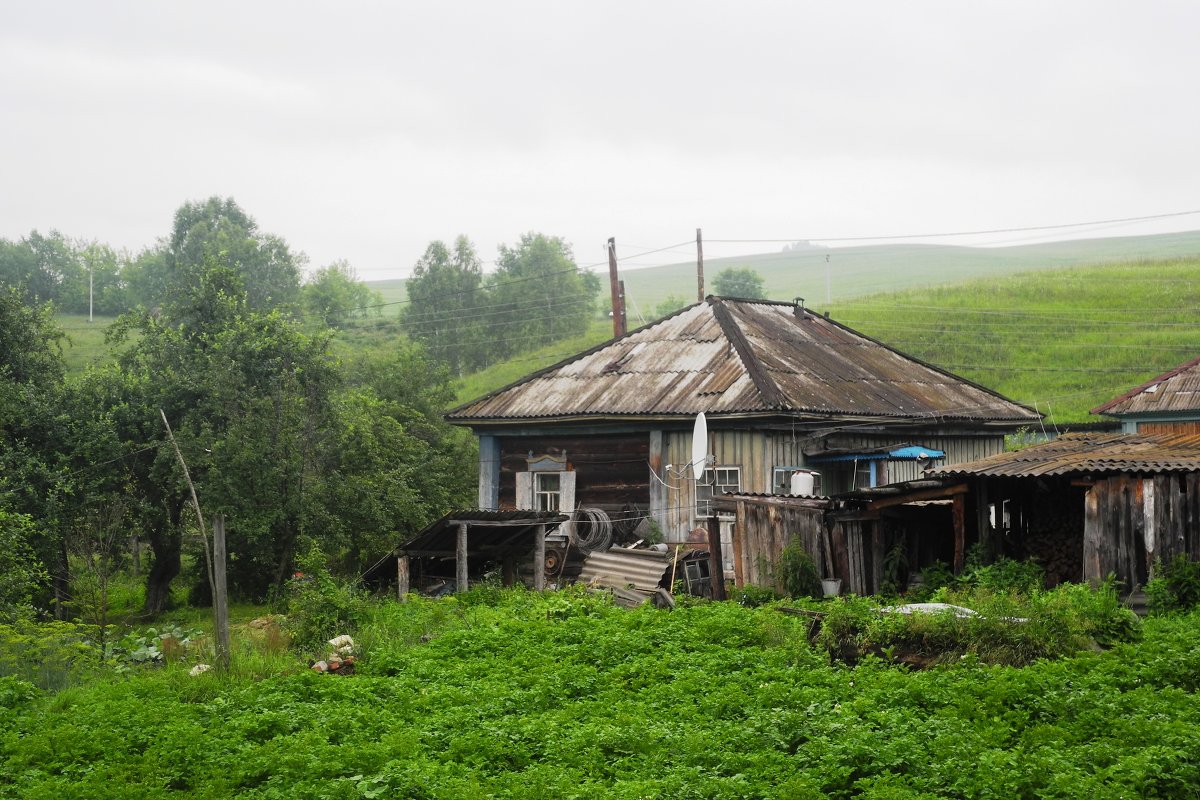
[{"x": 512, "y": 694}]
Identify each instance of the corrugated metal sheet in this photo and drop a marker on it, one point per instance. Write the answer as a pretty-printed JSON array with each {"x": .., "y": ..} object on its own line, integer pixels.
[
  {"x": 735, "y": 356},
  {"x": 620, "y": 567},
  {"x": 1174, "y": 391},
  {"x": 1092, "y": 453}
]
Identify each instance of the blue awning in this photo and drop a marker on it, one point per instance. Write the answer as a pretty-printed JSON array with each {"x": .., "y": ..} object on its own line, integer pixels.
[{"x": 910, "y": 453}]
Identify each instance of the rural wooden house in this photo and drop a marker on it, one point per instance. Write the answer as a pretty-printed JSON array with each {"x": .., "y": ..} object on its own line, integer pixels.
[
  {"x": 1169, "y": 403},
  {"x": 784, "y": 390}
]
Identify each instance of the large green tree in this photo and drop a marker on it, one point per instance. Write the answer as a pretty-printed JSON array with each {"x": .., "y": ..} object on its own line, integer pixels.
[
  {"x": 334, "y": 295},
  {"x": 740, "y": 282},
  {"x": 538, "y": 295},
  {"x": 211, "y": 232},
  {"x": 448, "y": 310}
]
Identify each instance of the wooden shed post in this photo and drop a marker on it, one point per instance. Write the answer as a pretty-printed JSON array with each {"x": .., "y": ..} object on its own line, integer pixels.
[
  {"x": 960, "y": 531},
  {"x": 539, "y": 558},
  {"x": 716, "y": 566},
  {"x": 460, "y": 558},
  {"x": 401, "y": 578}
]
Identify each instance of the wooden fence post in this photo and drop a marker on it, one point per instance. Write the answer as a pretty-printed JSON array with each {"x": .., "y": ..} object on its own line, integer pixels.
[
  {"x": 460, "y": 558},
  {"x": 220, "y": 591}
]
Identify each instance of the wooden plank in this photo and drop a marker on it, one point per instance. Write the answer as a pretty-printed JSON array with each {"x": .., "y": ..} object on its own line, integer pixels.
[
  {"x": 460, "y": 558},
  {"x": 220, "y": 591},
  {"x": 1091, "y": 534},
  {"x": 539, "y": 558},
  {"x": 402, "y": 578},
  {"x": 913, "y": 497},
  {"x": 716, "y": 567},
  {"x": 960, "y": 531}
]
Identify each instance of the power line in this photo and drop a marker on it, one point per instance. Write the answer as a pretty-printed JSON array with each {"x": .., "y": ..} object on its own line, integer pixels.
[{"x": 1063, "y": 226}]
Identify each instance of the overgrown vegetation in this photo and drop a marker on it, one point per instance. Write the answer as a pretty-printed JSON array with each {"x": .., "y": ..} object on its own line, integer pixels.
[
  {"x": 508, "y": 693},
  {"x": 1175, "y": 585}
]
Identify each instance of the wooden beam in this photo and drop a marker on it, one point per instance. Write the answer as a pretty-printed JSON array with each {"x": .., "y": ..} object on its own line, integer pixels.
[
  {"x": 960, "y": 531},
  {"x": 220, "y": 592},
  {"x": 915, "y": 497},
  {"x": 716, "y": 567},
  {"x": 539, "y": 558},
  {"x": 402, "y": 578},
  {"x": 460, "y": 558}
]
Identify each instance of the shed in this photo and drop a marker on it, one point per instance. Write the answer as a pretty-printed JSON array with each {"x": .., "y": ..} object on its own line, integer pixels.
[{"x": 476, "y": 540}]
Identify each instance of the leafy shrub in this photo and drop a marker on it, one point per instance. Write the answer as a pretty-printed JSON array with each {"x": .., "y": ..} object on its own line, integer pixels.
[
  {"x": 152, "y": 647},
  {"x": 1006, "y": 575},
  {"x": 754, "y": 596},
  {"x": 21, "y": 574},
  {"x": 1175, "y": 585},
  {"x": 1006, "y": 628},
  {"x": 318, "y": 606},
  {"x": 50, "y": 655},
  {"x": 797, "y": 572}
]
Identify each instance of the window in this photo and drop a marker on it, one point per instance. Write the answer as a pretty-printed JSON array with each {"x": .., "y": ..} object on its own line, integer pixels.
[
  {"x": 716, "y": 482},
  {"x": 547, "y": 488}
]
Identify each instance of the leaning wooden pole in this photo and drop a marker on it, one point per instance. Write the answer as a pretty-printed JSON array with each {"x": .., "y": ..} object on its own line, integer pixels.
[{"x": 195, "y": 501}]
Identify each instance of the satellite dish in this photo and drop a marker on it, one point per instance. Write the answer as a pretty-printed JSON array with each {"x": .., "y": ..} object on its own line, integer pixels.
[{"x": 699, "y": 446}]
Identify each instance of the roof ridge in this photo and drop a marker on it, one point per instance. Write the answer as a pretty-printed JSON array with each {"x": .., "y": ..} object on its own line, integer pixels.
[{"x": 768, "y": 389}]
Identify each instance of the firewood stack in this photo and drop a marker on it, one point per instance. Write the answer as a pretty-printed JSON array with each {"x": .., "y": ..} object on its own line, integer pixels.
[{"x": 1055, "y": 540}]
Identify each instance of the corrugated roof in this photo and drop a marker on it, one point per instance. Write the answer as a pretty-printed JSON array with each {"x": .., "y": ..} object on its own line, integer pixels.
[
  {"x": 619, "y": 567},
  {"x": 726, "y": 356},
  {"x": 1174, "y": 391},
  {"x": 493, "y": 532},
  {"x": 1091, "y": 453}
]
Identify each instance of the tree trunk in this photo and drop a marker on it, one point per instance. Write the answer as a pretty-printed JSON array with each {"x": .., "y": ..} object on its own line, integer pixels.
[{"x": 166, "y": 542}]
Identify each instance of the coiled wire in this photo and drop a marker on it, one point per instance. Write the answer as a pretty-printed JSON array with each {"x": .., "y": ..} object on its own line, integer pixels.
[{"x": 591, "y": 530}]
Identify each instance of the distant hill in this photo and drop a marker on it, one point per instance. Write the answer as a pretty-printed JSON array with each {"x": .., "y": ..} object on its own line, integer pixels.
[
  {"x": 800, "y": 269},
  {"x": 856, "y": 271},
  {"x": 1061, "y": 340}
]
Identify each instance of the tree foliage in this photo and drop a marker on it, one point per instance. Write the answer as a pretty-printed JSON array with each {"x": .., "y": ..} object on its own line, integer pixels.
[
  {"x": 448, "y": 309},
  {"x": 335, "y": 295},
  {"x": 538, "y": 295},
  {"x": 740, "y": 282}
]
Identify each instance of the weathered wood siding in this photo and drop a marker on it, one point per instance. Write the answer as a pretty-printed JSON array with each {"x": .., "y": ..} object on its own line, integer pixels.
[
  {"x": 1191, "y": 427},
  {"x": 1132, "y": 521},
  {"x": 745, "y": 449},
  {"x": 764, "y": 528},
  {"x": 611, "y": 471}
]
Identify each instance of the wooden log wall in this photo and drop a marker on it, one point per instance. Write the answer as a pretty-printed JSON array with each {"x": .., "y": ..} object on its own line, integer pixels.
[{"x": 611, "y": 471}]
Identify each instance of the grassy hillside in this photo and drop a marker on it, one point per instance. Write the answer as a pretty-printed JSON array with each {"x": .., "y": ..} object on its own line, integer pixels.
[
  {"x": 1064, "y": 341},
  {"x": 84, "y": 344},
  {"x": 852, "y": 272}
]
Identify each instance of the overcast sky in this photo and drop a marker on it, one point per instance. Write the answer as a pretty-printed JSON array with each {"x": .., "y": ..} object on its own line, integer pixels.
[{"x": 365, "y": 130}]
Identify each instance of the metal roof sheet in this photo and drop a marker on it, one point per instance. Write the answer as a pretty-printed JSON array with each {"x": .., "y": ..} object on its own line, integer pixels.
[
  {"x": 619, "y": 567},
  {"x": 725, "y": 356},
  {"x": 488, "y": 531},
  {"x": 1177, "y": 390},
  {"x": 1091, "y": 453}
]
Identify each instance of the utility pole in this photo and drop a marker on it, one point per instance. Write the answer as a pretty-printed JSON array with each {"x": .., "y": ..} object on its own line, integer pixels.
[
  {"x": 220, "y": 592},
  {"x": 618, "y": 306},
  {"x": 699, "y": 266},
  {"x": 828, "y": 284}
]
